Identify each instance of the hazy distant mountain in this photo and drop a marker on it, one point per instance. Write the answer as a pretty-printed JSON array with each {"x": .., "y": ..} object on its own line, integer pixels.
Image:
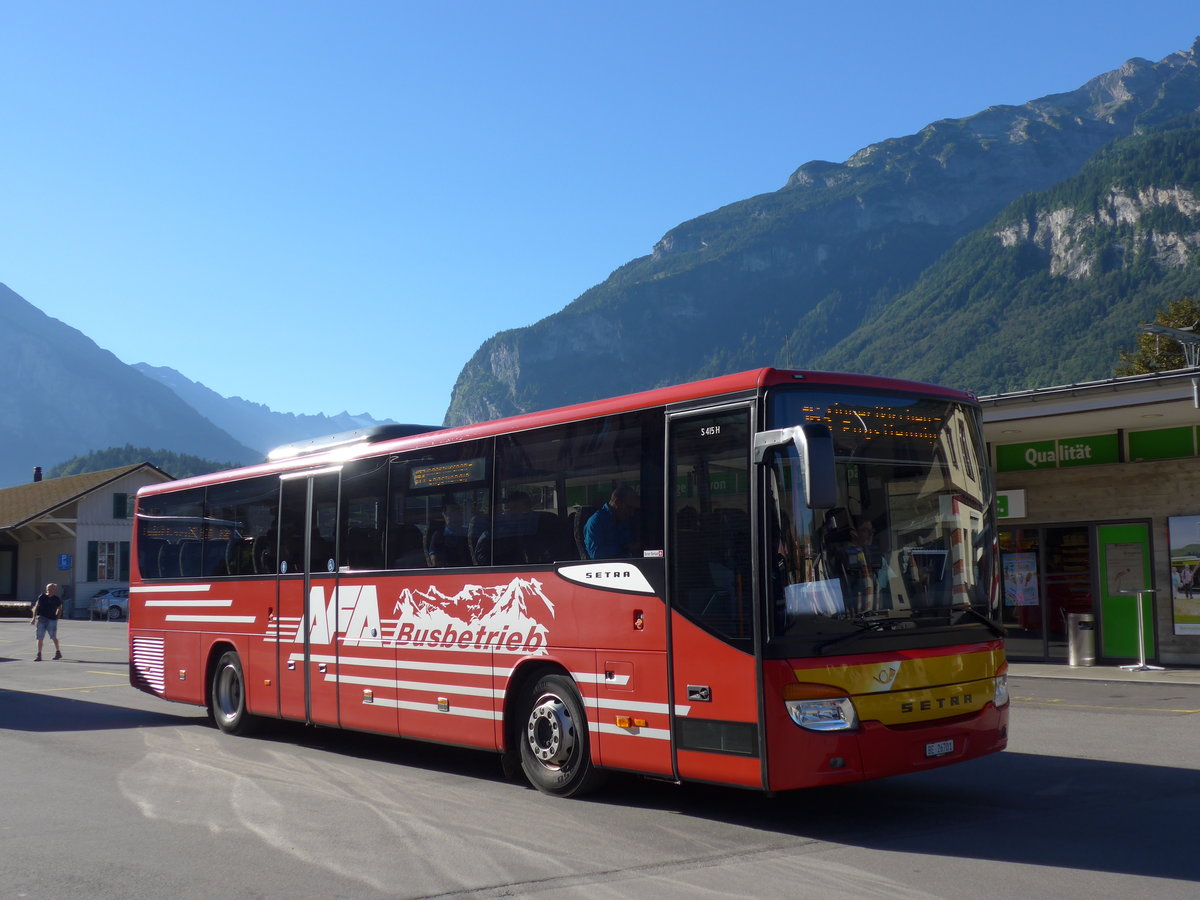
[
  {"x": 254, "y": 424},
  {"x": 789, "y": 278},
  {"x": 64, "y": 396}
]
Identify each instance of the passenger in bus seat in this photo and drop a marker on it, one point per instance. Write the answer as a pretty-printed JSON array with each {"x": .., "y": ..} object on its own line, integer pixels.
[
  {"x": 609, "y": 533},
  {"x": 446, "y": 541}
]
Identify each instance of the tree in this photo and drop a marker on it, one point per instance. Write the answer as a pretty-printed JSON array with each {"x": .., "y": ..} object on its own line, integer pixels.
[
  {"x": 178, "y": 465},
  {"x": 1160, "y": 353}
]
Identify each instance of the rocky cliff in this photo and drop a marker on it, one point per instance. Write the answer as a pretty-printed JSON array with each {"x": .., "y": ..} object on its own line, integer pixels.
[{"x": 1052, "y": 289}]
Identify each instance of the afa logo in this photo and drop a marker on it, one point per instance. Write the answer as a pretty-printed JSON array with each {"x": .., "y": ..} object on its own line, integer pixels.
[
  {"x": 352, "y": 610},
  {"x": 508, "y": 618}
]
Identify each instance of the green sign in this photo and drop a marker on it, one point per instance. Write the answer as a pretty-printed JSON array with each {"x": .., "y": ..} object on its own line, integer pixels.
[
  {"x": 1165, "y": 443},
  {"x": 1016, "y": 457},
  {"x": 1010, "y": 504},
  {"x": 1088, "y": 451},
  {"x": 1096, "y": 450}
]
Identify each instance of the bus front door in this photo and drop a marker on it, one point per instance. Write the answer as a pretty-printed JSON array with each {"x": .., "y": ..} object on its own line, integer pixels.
[
  {"x": 308, "y": 614},
  {"x": 714, "y": 675}
]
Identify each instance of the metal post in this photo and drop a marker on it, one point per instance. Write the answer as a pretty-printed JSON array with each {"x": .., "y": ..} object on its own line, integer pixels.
[{"x": 1141, "y": 665}]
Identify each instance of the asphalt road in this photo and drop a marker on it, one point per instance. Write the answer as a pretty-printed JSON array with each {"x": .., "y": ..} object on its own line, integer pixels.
[{"x": 110, "y": 793}]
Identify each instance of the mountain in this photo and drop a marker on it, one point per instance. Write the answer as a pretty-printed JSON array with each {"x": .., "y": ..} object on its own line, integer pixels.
[
  {"x": 789, "y": 277},
  {"x": 1048, "y": 291},
  {"x": 254, "y": 424},
  {"x": 66, "y": 396}
]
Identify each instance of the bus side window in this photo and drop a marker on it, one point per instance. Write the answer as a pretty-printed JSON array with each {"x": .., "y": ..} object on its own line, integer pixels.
[
  {"x": 362, "y": 521},
  {"x": 167, "y": 523},
  {"x": 554, "y": 480},
  {"x": 439, "y": 507},
  {"x": 240, "y": 519}
]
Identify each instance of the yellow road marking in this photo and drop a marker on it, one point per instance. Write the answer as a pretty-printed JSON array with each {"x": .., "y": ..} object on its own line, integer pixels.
[
  {"x": 1063, "y": 705},
  {"x": 82, "y": 687},
  {"x": 90, "y": 647}
]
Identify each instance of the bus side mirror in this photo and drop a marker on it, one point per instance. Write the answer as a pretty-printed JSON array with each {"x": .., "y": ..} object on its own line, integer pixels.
[{"x": 814, "y": 445}]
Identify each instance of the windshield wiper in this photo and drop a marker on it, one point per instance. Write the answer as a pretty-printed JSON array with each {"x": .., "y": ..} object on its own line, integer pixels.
[
  {"x": 889, "y": 620},
  {"x": 995, "y": 629},
  {"x": 964, "y": 610},
  {"x": 861, "y": 624}
]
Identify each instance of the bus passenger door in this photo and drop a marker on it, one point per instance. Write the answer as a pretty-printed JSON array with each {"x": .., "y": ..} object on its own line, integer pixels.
[
  {"x": 308, "y": 615},
  {"x": 714, "y": 676}
]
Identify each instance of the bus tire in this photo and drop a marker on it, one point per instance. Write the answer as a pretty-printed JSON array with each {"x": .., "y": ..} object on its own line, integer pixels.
[
  {"x": 227, "y": 699},
  {"x": 556, "y": 753}
]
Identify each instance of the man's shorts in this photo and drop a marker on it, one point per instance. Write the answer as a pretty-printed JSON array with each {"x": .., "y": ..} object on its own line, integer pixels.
[{"x": 47, "y": 627}]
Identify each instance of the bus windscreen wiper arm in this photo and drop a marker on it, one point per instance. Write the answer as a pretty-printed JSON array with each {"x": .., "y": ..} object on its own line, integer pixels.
[
  {"x": 992, "y": 626},
  {"x": 859, "y": 624}
]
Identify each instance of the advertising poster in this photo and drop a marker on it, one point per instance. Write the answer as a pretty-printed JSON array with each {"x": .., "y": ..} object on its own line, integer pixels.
[
  {"x": 1126, "y": 567},
  {"x": 1185, "y": 572},
  {"x": 1020, "y": 579}
]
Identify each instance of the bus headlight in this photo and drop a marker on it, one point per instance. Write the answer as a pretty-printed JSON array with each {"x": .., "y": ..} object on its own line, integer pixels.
[
  {"x": 1001, "y": 692},
  {"x": 819, "y": 707}
]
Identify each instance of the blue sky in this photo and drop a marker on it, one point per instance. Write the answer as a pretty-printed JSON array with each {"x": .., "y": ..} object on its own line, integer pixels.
[{"x": 327, "y": 206}]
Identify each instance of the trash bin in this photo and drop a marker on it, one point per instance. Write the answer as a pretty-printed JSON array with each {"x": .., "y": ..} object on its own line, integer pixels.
[{"x": 1081, "y": 639}]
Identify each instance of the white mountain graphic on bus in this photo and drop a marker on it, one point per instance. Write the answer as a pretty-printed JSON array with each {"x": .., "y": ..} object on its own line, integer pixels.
[{"x": 510, "y": 617}]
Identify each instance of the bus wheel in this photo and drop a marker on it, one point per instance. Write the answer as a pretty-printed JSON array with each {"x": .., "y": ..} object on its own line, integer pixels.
[
  {"x": 555, "y": 750},
  {"x": 228, "y": 696}
]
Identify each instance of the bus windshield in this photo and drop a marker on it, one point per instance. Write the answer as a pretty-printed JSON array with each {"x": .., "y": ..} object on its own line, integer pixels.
[{"x": 909, "y": 545}]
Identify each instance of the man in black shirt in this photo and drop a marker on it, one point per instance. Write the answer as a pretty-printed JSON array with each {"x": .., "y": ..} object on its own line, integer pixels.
[{"x": 47, "y": 610}]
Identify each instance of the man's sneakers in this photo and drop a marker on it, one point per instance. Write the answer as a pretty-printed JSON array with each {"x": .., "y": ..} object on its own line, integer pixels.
[
  {"x": 38, "y": 658},
  {"x": 58, "y": 654}
]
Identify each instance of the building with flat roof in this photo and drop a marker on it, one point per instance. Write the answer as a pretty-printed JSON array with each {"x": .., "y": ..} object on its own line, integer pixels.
[{"x": 1099, "y": 502}]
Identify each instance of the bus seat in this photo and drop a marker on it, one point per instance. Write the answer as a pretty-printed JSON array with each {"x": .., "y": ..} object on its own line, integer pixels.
[
  {"x": 191, "y": 558},
  {"x": 363, "y": 548},
  {"x": 214, "y": 558},
  {"x": 407, "y": 547},
  {"x": 578, "y": 525},
  {"x": 148, "y": 557},
  {"x": 168, "y": 560}
]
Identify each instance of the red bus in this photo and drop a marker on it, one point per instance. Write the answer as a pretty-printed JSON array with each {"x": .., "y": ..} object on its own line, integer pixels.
[{"x": 772, "y": 580}]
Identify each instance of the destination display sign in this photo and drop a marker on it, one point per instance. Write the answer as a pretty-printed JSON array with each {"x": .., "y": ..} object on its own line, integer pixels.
[{"x": 462, "y": 471}]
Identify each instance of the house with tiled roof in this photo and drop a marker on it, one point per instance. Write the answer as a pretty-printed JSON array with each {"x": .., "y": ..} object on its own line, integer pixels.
[{"x": 74, "y": 531}]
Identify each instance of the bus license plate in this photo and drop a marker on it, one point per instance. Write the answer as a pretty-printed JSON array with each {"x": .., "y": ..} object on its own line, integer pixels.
[{"x": 938, "y": 748}]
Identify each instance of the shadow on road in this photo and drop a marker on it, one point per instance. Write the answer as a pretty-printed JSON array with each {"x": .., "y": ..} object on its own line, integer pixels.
[
  {"x": 1060, "y": 812},
  {"x": 1091, "y": 815},
  {"x": 45, "y": 712}
]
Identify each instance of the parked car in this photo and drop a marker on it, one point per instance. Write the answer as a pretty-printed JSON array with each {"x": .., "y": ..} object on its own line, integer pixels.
[{"x": 111, "y": 604}]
